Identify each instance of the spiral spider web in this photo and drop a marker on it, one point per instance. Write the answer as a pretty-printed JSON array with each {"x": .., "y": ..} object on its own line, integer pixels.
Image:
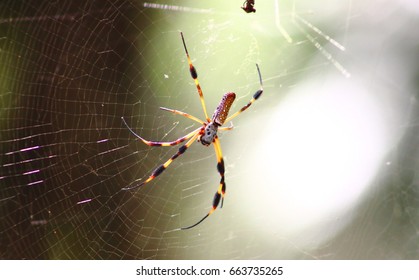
[{"x": 70, "y": 71}]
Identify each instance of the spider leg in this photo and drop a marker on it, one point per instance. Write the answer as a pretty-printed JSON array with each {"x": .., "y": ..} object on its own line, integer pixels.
[
  {"x": 219, "y": 195},
  {"x": 159, "y": 170},
  {"x": 194, "y": 75},
  {"x": 257, "y": 94},
  {"x": 182, "y": 114},
  {"x": 160, "y": 144},
  {"x": 227, "y": 127},
  {"x": 220, "y": 168}
]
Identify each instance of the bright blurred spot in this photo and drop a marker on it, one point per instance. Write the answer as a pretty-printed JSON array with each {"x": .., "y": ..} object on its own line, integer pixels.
[{"x": 323, "y": 146}]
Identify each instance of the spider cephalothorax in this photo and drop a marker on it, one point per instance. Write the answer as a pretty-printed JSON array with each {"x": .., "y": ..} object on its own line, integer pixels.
[
  {"x": 209, "y": 133},
  {"x": 206, "y": 134}
]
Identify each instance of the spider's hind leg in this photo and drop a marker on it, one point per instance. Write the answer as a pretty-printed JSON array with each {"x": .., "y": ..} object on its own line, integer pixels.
[
  {"x": 219, "y": 195},
  {"x": 220, "y": 169}
]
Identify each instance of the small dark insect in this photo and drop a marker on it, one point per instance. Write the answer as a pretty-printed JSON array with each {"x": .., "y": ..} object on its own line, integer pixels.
[
  {"x": 206, "y": 134},
  {"x": 248, "y": 6}
]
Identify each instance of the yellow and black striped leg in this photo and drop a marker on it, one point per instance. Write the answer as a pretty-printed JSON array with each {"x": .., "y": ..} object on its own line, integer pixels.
[
  {"x": 194, "y": 75},
  {"x": 255, "y": 97},
  {"x": 182, "y": 114},
  {"x": 219, "y": 195},
  {"x": 159, "y": 170},
  {"x": 215, "y": 203},
  {"x": 159, "y": 143},
  {"x": 220, "y": 168}
]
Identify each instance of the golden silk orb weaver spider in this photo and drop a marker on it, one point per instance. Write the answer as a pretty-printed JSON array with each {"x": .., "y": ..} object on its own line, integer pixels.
[{"x": 205, "y": 134}]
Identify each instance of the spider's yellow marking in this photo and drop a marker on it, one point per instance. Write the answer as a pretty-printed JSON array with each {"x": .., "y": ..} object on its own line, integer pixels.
[
  {"x": 201, "y": 95},
  {"x": 218, "y": 151}
]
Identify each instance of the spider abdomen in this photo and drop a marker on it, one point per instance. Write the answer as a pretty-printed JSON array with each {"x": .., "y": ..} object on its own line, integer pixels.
[{"x": 221, "y": 113}]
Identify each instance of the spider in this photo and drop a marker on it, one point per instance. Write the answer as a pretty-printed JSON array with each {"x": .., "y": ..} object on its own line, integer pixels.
[
  {"x": 248, "y": 6},
  {"x": 205, "y": 134}
]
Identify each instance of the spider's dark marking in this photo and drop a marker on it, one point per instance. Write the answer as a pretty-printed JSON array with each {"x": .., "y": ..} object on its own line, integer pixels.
[
  {"x": 156, "y": 144},
  {"x": 200, "y": 221},
  {"x": 245, "y": 107},
  {"x": 174, "y": 143},
  {"x": 223, "y": 191},
  {"x": 184, "y": 44},
  {"x": 223, "y": 184},
  {"x": 182, "y": 149},
  {"x": 220, "y": 167},
  {"x": 257, "y": 94},
  {"x": 216, "y": 201},
  {"x": 194, "y": 74},
  {"x": 159, "y": 170}
]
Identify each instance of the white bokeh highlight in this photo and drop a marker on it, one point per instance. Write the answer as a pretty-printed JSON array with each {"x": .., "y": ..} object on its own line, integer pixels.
[{"x": 323, "y": 146}]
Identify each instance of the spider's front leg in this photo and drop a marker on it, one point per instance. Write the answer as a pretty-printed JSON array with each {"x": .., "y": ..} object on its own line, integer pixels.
[
  {"x": 194, "y": 75},
  {"x": 161, "y": 143}
]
